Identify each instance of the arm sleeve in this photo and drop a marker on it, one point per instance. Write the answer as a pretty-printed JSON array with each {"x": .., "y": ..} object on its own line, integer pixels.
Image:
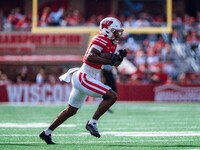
[
  {"x": 99, "y": 41},
  {"x": 99, "y": 48}
]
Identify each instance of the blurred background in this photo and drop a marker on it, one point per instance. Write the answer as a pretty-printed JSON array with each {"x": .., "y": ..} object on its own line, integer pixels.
[{"x": 40, "y": 40}]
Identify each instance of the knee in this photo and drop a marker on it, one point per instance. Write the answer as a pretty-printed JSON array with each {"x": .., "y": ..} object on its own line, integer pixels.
[
  {"x": 71, "y": 111},
  {"x": 114, "y": 97},
  {"x": 111, "y": 95}
]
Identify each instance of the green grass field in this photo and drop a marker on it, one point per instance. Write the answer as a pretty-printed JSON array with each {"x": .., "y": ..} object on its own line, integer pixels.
[{"x": 131, "y": 126}]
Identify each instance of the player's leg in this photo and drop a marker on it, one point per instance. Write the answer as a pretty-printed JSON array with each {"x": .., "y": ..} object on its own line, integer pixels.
[
  {"x": 96, "y": 88},
  {"x": 108, "y": 100},
  {"x": 64, "y": 115},
  {"x": 76, "y": 100}
]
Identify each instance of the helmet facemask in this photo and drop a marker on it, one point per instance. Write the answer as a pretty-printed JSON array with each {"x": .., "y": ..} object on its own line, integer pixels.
[{"x": 117, "y": 34}]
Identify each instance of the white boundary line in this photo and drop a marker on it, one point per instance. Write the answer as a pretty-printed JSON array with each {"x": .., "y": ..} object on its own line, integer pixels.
[
  {"x": 121, "y": 134},
  {"x": 89, "y": 142},
  {"x": 31, "y": 125},
  {"x": 41, "y": 125}
]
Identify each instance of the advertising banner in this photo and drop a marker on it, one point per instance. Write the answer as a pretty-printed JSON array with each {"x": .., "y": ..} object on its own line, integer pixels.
[
  {"x": 18, "y": 43},
  {"x": 172, "y": 92},
  {"x": 59, "y": 93},
  {"x": 37, "y": 93}
]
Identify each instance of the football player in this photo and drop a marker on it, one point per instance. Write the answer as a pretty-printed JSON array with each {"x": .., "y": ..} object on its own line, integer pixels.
[{"x": 83, "y": 78}]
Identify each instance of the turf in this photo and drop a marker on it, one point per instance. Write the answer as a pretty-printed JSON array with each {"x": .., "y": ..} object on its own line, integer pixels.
[{"x": 131, "y": 126}]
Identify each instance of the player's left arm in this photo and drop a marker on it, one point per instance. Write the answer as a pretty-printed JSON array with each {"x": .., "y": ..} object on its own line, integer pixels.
[{"x": 121, "y": 55}]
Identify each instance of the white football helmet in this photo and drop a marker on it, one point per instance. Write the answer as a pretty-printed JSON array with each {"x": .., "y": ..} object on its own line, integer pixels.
[{"x": 111, "y": 28}]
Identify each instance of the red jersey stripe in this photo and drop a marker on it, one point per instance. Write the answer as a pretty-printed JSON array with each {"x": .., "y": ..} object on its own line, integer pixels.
[
  {"x": 93, "y": 84},
  {"x": 88, "y": 87},
  {"x": 100, "y": 39}
]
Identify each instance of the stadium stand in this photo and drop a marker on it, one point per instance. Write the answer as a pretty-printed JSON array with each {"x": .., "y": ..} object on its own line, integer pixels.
[{"x": 158, "y": 58}]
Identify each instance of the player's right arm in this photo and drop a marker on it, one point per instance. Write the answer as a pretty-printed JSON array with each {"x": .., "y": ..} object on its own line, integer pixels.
[{"x": 95, "y": 58}]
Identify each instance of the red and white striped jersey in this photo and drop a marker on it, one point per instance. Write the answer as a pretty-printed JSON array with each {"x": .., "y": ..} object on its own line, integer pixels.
[{"x": 101, "y": 43}]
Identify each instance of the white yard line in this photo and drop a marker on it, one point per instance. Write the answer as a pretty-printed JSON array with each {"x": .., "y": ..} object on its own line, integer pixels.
[
  {"x": 154, "y": 128},
  {"x": 30, "y": 125},
  {"x": 122, "y": 134},
  {"x": 27, "y": 135},
  {"x": 153, "y": 134},
  {"x": 43, "y": 125},
  {"x": 89, "y": 142},
  {"x": 40, "y": 125}
]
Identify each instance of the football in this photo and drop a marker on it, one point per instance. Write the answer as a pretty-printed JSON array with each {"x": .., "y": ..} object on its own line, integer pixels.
[{"x": 106, "y": 55}]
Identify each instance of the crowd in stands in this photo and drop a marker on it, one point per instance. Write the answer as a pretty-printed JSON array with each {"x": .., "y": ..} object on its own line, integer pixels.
[
  {"x": 61, "y": 17},
  {"x": 154, "y": 58},
  {"x": 156, "y": 62},
  {"x": 30, "y": 73},
  {"x": 15, "y": 21}
]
